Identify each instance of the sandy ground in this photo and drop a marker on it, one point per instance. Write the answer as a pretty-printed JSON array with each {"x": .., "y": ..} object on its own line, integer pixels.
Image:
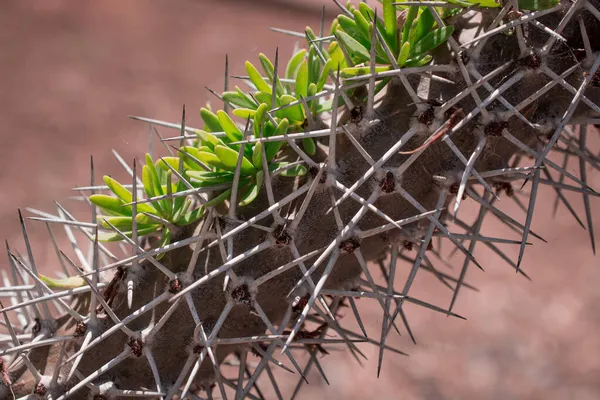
[{"x": 71, "y": 72}]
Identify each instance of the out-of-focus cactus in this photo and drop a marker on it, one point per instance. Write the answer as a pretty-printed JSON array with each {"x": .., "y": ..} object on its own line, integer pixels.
[{"x": 259, "y": 226}]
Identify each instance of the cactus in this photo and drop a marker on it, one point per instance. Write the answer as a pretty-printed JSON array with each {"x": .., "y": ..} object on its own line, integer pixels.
[{"x": 259, "y": 226}]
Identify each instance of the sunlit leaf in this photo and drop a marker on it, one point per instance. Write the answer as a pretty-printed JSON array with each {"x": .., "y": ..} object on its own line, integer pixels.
[
  {"x": 432, "y": 40},
  {"x": 296, "y": 170},
  {"x": 70, "y": 282},
  {"x": 356, "y": 50},
  {"x": 229, "y": 157},
  {"x": 256, "y": 79},
  {"x": 293, "y": 113},
  {"x": 232, "y": 132},
  {"x": 253, "y": 191},
  {"x": 211, "y": 121},
  {"x": 391, "y": 26}
]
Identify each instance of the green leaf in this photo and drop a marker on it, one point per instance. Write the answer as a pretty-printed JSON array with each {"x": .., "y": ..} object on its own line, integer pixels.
[
  {"x": 337, "y": 55},
  {"x": 172, "y": 161},
  {"x": 424, "y": 24},
  {"x": 296, "y": 170},
  {"x": 239, "y": 100},
  {"x": 259, "y": 119},
  {"x": 121, "y": 223},
  {"x": 208, "y": 139},
  {"x": 309, "y": 146},
  {"x": 229, "y": 158},
  {"x": 218, "y": 199},
  {"x": 391, "y": 25},
  {"x": 404, "y": 53},
  {"x": 191, "y": 217},
  {"x": 125, "y": 195},
  {"x": 232, "y": 132},
  {"x": 257, "y": 79},
  {"x": 70, "y": 282},
  {"x": 302, "y": 79},
  {"x": 325, "y": 74},
  {"x": 419, "y": 61},
  {"x": 211, "y": 121},
  {"x": 357, "y": 51},
  {"x": 252, "y": 193},
  {"x": 293, "y": 65},
  {"x": 410, "y": 18},
  {"x": 244, "y": 113},
  {"x": 213, "y": 177},
  {"x": 363, "y": 26},
  {"x": 272, "y": 148},
  {"x": 164, "y": 240},
  {"x": 432, "y": 40},
  {"x": 211, "y": 159},
  {"x": 257, "y": 155},
  {"x": 266, "y": 98},
  {"x": 189, "y": 155},
  {"x": 357, "y": 71},
  {"x": 110, "y": 205},
  {"x": 270, "y": 72},
  {"x": 156, "y": 186},
  {"x": 350, "y": 27},
  {"x": 293, "y": 113}
]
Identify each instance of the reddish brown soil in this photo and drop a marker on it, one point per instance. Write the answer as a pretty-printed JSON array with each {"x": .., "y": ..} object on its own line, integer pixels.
[{"x": 71, "y": 72}]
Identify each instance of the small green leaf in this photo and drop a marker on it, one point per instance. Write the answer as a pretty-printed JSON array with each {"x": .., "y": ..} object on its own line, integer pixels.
[
  {"x": 270, "y": 72},
  {"x": 211, "y": 159},
  {"x": 191, "y": 217},
  {"x": 337, "y": 55},
  {"x": 267, "y": 66},
  {"x": 218, "y": 199},
  {"x": 257, "y": 155},
  {"x": 121, "y": 223},
  {"x": 404, "y": 53},
  {"x": 266, "y": 98},
  {"x": 229, "y": 158},
  {"x": 362, "y": 25},
  {"x": 232, "y": 132},
  {"x": 410, "y": 18},
  {"x": 110, "y": 205},
  {"x": 244, "y": 113},
  {"x": 357, "y": 71},
  {"x": 208, "y": 139},
  {"x": 211, "y": 121},
  {"x": 309, "y": 146},
  {"x": 424, "y": 24},
  {"x": 189, "y": 155},
  {"x": 349, "y": 26},
  {"x": 172, "y": 161},
  {"x": 259, "y": 119},
  {"x": 325, "y": 74},
  {"x": 419, "y": 61},
  {"x": 391, "y": 25},
  {"x": 164, "y": 240},
  {"x": 293, "y": 113},
  {"x": 213, "y": 177},
  {"x": 296, "y": 170},
  {"x": 293, "y": 65},
  {"x": 70, "y": 282},
  {"x": 252, "y": 193},
  {"x": 356, "y": 50},
  {"x": 272, "y": 148},
  {"x": 432, "y": 40},
  {"x": 125, "y": 195},
  {"x": 302, "y": 79},
  {"x": 239, "y": 100},
  {"x": 257, "y": 79}
]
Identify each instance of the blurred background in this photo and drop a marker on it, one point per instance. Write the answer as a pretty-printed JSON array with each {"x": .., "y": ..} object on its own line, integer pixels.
[{"x": 72, "y": 71}]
